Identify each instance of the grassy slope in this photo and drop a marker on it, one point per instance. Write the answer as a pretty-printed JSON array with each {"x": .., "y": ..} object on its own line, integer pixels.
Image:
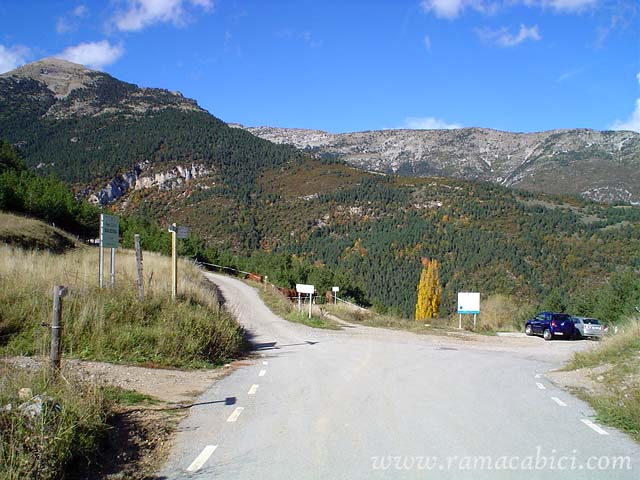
[
  {"x": 113, "y": 325},
  {"x": 28, "y": 233},
  {"x": 98, "y": 324},
  {"x": 619, "y": 406}
]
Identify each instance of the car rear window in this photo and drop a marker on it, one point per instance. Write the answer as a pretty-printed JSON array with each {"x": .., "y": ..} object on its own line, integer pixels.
[
  {"x": 591, "y": 321},
  {"x": 561, "y": 318}
]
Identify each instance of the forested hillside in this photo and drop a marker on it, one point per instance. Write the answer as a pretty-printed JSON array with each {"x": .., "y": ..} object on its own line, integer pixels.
[
  {"x": 374, "y": 230},
  {"x": 101, "y": 126},
  {"x": 296, "y": 218}
]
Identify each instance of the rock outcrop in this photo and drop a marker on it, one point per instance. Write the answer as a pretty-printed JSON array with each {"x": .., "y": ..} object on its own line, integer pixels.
[{"x": 137, "y": 180}]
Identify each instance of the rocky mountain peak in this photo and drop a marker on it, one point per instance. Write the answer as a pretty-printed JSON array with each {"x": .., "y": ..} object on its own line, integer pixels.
[
  {"x": 60, "y": 76},
  {"x": 67, "y": 90}
]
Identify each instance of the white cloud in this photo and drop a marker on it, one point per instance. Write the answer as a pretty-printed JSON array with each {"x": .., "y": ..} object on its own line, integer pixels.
[
  {"x": 443, "y": 8},
  {"x": 69, "y": 23},
  {"x": 93, "y": 54},
  {"x": 80, "y": 11},
  {"x": 569, "y": 74},
  {"x": 569, "y": 5},
  {"x": 143, "y": 13},
  {"x": 503, "y": 38},
  {"x": 427, "y": 43},
  {"x": 428, "y": 123},
  {"x": 12, "y": 57},
  {"x": 633, "y": 122},
  {"x": 453, "y": 8}
]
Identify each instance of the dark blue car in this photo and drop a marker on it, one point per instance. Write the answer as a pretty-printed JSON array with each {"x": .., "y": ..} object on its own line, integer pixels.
[{"x": 551, "y": 325}]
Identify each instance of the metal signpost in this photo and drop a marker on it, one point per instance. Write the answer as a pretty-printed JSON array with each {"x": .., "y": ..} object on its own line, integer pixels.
[
  {"x": 335, "y": 291},
  {"x": 468, "y": 303},
  {"x": 310, "y": 289},
  {"x": 109, "y": 238},
  {"x": 176, "y": 233}
]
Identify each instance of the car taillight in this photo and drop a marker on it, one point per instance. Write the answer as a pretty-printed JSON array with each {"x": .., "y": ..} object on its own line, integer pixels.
[{"x": 553, "y": 324}]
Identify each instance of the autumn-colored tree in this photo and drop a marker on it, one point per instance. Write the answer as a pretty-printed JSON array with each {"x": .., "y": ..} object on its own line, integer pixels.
[{"x": 429, "y": 290}]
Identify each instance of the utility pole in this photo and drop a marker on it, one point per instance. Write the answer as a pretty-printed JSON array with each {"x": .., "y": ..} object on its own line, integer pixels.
[
  {"x": 56, "y": 328},
  {"x": 136, "y": 240}
]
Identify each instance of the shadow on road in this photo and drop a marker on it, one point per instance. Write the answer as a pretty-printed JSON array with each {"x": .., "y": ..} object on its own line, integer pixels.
[
  {"x": 275, "y": 346},
  {"x": 261, "y": 346}
]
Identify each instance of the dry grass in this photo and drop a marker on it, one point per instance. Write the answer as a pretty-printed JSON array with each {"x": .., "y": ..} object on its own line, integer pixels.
[
  {"x": 620, "y": 405},
  {"x": 68, "y": 431},
  {"x": 112, "y": 324},
  {"x": 28, "y": 233},
  {"x": 281, "y": 306},
  {"x": 501, "y": 313}
]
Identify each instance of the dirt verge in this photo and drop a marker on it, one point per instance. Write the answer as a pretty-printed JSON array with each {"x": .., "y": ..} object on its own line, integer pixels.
[{"x": 140, "y": 436}]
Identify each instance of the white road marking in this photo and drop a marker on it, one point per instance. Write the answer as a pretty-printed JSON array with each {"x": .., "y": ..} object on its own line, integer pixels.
[
  {"x": 262, "y": 372},
  {"x": 538, "y": 375},
  {"x": 593, "y": 426},
  {"x": 202, "y": 458},
  {"x": 541, "y": 386},
  {"x": 558, "y": 401},
  {"x": 265, "y": 363},
  {"x": 253, "y": 389},
  {"x": 236, "y": 413}
]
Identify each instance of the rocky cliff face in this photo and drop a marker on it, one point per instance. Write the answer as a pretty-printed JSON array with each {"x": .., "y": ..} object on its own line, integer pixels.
[
  {"x": 137, "y": 180},
  {"x": 603, "y": 166}
]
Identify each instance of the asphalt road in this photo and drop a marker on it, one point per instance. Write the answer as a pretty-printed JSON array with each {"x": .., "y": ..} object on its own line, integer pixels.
[{"x": 365, "y": 403}]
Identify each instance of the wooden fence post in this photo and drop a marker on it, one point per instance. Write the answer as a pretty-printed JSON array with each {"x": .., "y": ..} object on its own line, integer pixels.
[
  {"x": 56, "y": 328},
  {"x": 136, "y": 239}
]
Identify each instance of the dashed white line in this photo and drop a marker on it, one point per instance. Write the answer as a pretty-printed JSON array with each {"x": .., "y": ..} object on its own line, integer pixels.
[
  {"x": 236, "y": 413},
  {"x": 538, "y": 375},
  {"x": 253, "y": 389},
  {"x": 541, "y": 386},
  {"x": 593, "y": 426},
  {"x": 558, "y": 401},
  {"x": 262, "y": 373},
  {"x": 265, "y": 363},
  {"x": 202, "y": 458}
]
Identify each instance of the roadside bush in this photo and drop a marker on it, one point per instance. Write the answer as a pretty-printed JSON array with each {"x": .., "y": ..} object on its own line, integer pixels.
[{"x": 501, "y": 312}]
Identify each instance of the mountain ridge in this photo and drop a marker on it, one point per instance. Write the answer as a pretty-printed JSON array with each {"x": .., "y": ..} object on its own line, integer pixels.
[{"x": 598, "y": 165}]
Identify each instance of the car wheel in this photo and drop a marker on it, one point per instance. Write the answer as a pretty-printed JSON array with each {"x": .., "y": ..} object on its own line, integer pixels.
[
  {"x": 577, "y": 335},
  {"x": 547, "y": 334},
  {"x": 528, "y": 331}
]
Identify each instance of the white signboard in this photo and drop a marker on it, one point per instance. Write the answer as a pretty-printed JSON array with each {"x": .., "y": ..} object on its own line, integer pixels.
[
  {"x": 183, "y": 232},
  {"x": 468, "y": 302},
  {"x": 302, "y": 288},
  {"x": 335, "y": 289},
  {"x": 109, "y": 231}
]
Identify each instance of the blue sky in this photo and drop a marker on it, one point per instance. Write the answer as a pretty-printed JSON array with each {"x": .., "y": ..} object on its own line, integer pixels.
[{"x": 515, "y": 65}]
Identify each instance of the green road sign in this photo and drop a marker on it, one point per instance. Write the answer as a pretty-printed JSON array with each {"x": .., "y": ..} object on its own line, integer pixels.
[{"x": 109, "y": 231}]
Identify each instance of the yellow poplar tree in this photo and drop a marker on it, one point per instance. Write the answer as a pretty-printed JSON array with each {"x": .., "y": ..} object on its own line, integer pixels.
[{"x": 429, "y": 290}]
